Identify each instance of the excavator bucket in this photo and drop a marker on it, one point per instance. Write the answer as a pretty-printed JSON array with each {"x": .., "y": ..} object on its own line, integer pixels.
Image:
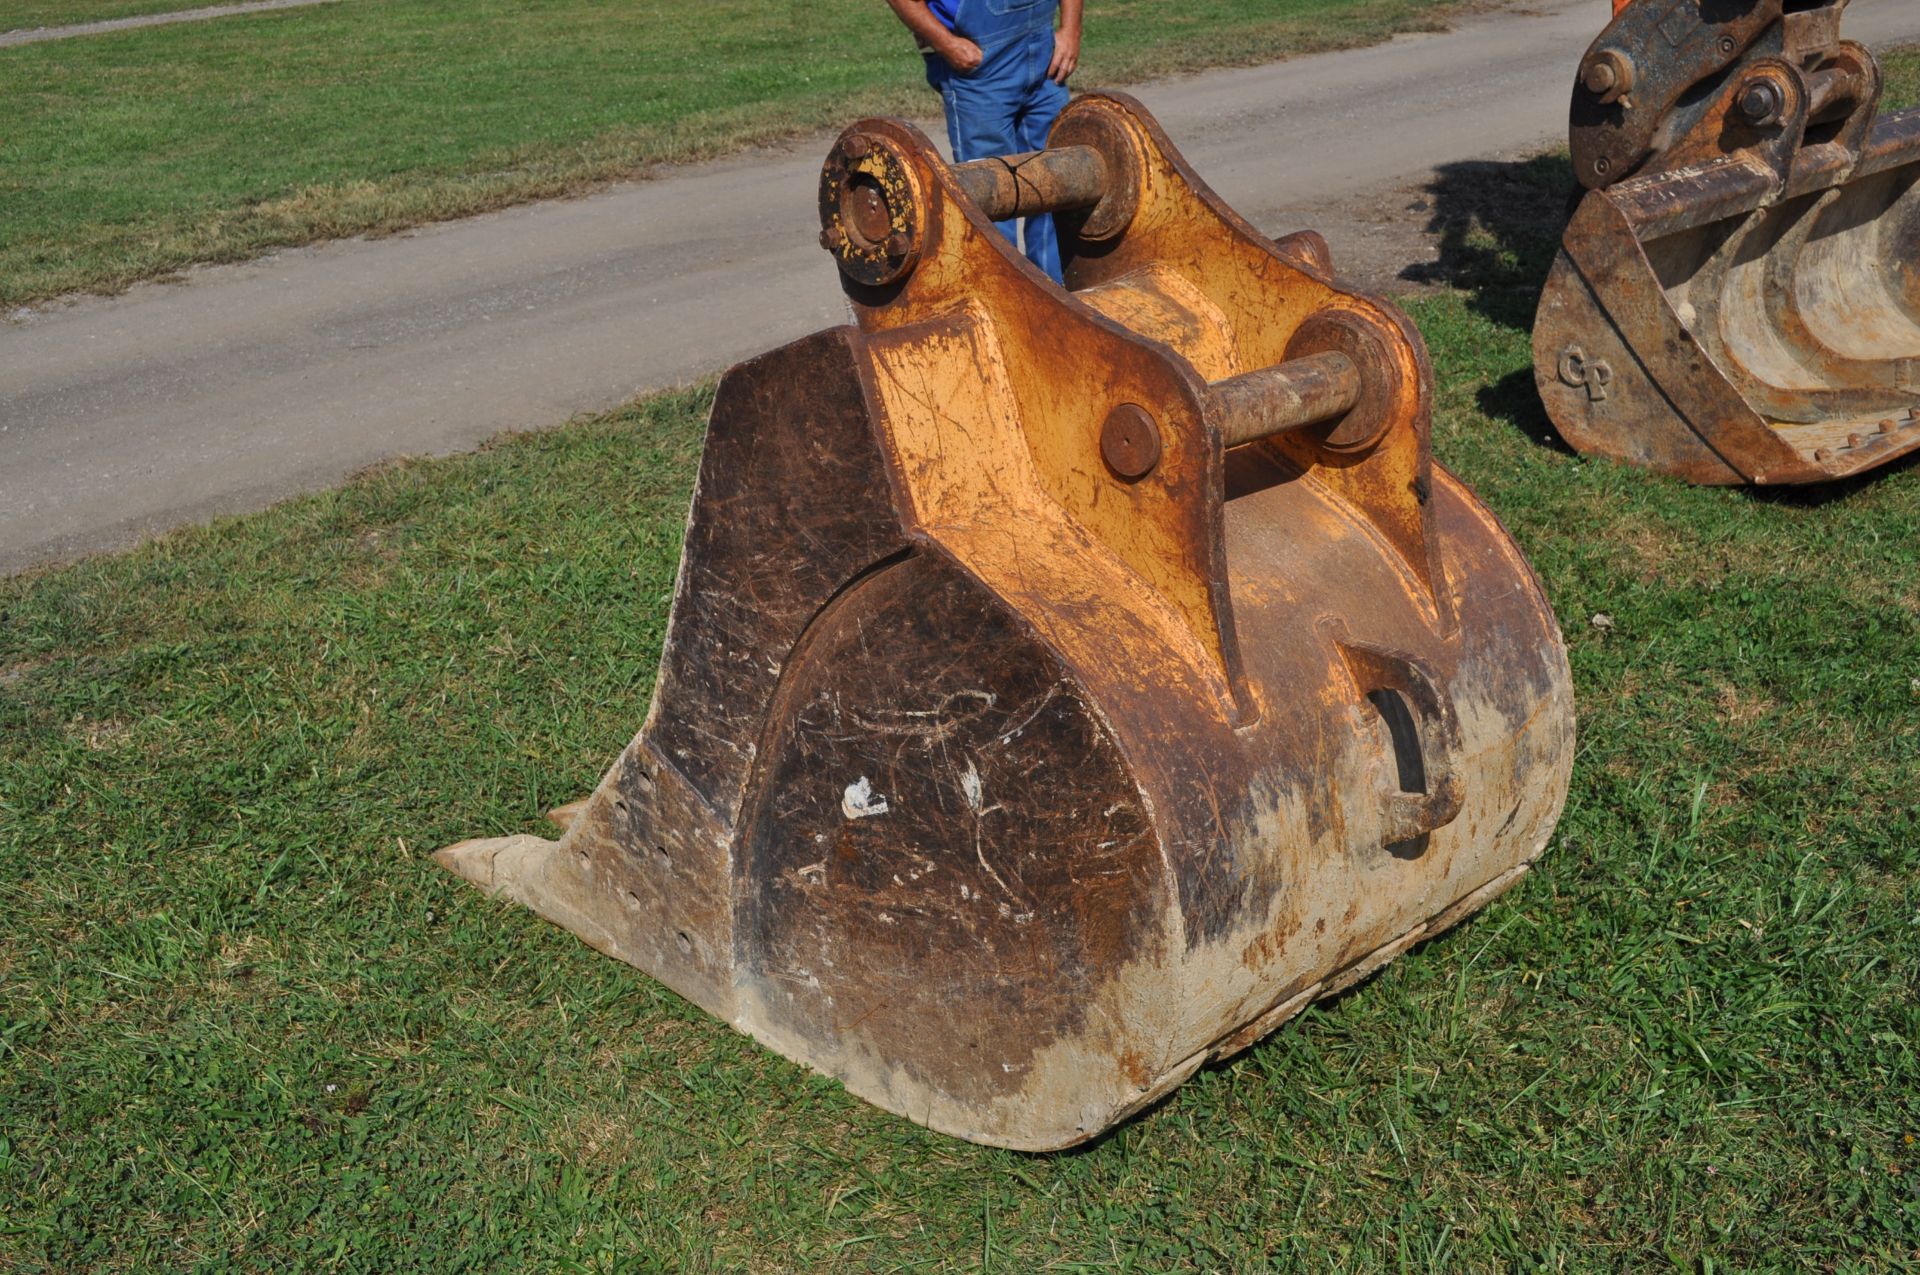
[
  {"x": 1737, "y": 299},
  {"x": 1064, "y": 687}
]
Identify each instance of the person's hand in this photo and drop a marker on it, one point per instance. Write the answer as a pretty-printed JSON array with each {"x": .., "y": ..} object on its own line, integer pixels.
[
  {"x": 1066, "y": 55},
  {"x": 963, "y": 55}
]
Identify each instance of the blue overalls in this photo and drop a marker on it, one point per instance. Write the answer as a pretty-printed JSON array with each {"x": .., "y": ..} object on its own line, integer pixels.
[{"x": 1007, "y": 104}]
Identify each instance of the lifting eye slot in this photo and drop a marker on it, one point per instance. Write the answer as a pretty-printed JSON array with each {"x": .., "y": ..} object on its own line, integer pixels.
[
  {"x": 1404, "y": 731},
  {"x": 1425, "y": 790}
]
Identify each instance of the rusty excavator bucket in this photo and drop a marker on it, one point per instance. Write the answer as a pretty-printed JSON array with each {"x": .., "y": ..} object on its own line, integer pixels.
[
  {"x": 1737, "y": 299},
  {"x": 1064, "y": 687}
]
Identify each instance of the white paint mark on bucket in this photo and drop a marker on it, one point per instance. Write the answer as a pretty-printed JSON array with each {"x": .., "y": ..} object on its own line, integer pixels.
[
  {"x": 859, "y": 801},
  {"x": 970, "y": 787}
]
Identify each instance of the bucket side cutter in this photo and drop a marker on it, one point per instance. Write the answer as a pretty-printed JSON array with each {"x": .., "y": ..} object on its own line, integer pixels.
[
  {"x": 1737, "y": 298},
  {"x": 1064, "y": 687}
]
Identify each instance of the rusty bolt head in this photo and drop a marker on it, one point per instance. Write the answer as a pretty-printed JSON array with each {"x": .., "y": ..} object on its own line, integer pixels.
[
  {"x": 1762, "y": 102},
  {"x": 1888, "y": 426},
  {"x": 1823, "y": 454},
  {"x": 1130, "y": 442},
  {"x": 1602, "y": 165},
  {"x": 1608, "y": 75},
  {"x": 866, "y": 213},
  {"x": 1728, "y": 45},
  {"x": 1856, "y": 440},
  {"x": 873, "y": 210}
]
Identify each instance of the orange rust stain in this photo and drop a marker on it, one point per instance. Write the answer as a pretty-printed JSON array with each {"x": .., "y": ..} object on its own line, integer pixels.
[{"x": 1267, "y": 948}]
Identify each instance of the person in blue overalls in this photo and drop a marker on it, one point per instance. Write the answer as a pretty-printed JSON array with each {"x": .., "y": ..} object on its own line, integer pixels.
[{"x": 1001, "y": 68}]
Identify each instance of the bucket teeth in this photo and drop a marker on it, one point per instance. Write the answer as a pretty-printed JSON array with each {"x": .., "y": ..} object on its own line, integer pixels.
[
  {"x": 1032, "y": 724},
  {"x": 563, "y": 816},
  {"x": 1736, "y": 268},
  {"x": 476, "y": 859}
]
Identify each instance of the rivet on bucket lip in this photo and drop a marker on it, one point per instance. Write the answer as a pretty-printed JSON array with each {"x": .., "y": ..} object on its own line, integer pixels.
[
  {"x": 1823, "y": 455},
  {"x": 1856, "y": 440},
  {"x": 1888, "y": 426}
]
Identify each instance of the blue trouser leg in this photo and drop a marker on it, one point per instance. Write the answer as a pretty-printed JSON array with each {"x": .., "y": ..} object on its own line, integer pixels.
[
  {"x": 1037, "y": 113},
  {"x": 1003, "y": 108}
]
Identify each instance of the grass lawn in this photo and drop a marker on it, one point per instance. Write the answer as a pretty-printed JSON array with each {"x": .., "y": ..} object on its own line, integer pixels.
[
  {"x": 246, "y": 1024},
  {"x": 129, "y": 155}
]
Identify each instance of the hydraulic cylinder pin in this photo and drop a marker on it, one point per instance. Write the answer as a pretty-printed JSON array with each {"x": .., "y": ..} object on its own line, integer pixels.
[{"x": 1294, "y": 395}]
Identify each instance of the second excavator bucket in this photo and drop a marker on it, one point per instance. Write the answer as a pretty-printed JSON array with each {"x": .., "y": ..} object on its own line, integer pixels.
[
  {"x": 1064, "y": 687},
  {"x": 1737, "y": 299}
]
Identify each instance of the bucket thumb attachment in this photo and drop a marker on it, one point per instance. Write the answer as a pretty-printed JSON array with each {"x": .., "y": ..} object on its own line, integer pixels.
[
  {"x": 1737, "y": 298},
  {"x": 1064, "y": 687}
]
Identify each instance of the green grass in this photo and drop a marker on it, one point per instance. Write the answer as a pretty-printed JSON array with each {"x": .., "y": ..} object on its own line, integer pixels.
[
  {"x": 130, "y": 155},
  {"x": 246, "y": 1024},
  {"x": 1902, "y": 69}
]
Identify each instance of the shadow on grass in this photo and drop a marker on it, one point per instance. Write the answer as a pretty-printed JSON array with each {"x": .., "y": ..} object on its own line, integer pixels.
[
  {"x": 1499, "y": 224},
  {"x": 1515, "y": 399},
  {"x": 1817, "y": 495}
]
